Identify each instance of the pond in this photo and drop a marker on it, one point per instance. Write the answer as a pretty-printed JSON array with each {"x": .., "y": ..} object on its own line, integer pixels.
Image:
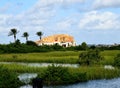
[
  {"x": 41, "y": 64},
  {"x": 26, "y": 77},
  {"x": 112, "y": 83}
]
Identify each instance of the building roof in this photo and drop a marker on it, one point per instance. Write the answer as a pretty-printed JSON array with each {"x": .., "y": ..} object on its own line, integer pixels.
[{"x": 56, "y": 38}]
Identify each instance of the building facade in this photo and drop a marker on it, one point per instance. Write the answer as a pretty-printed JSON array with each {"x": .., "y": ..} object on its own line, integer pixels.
[{"x": 64, "y": 40}]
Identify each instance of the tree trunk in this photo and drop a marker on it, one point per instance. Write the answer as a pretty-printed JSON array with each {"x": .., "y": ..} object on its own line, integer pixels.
[{"x": 15, "y": 38}]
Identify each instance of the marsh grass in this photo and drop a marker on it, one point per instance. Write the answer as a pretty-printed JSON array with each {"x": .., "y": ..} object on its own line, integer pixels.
[
  {"x": 57, "y": 57},
  {"x": 49, "y": 57},
  {"x": 23, "y": 69},
  {"x": 97, "y": 72},
  {"x": 91, "y": 72}
]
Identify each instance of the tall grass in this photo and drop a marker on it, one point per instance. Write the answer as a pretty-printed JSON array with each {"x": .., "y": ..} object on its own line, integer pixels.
[
  {"x": 97, "y": 72},
  {"x": 50, "y": 57},
  {"x": 109, "y": 56},
  {"x": 23, "y": 69},
  {"x": 91, "y": 72},
  {"x": 56, "y": 57}
]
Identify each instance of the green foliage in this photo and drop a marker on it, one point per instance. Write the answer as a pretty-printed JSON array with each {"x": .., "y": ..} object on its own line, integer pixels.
[
  {"x": 26, "y": 35},
  {"x": 13, "y": 32},
  {"x": 63, "y": 75},
  {"x": 56, "y": 47},
  {"x": 117, "y": 60},
  {"x": 8, "y": 79},
  {"x": 17, "y": 42},
  {"x": 39, "y": 34},
  {"x": 56, "y": 75},
  {"x": 90, "y": 57},
  {"x": 84, "y": 46},
  {"x": 31, "y": 43}
]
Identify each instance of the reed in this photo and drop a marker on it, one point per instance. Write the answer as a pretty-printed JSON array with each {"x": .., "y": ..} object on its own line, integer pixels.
[
  {"x": 98, "y": 72},
  {"x": 56, "y": 57},
  {"x": 49, "y": 57},
  {"x": 23, "y": 69},
  {"x": 90, "y": 73}
]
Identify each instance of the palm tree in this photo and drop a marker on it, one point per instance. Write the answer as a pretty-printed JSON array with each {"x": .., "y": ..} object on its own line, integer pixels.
[
  {"x": 39, "y": 34},
  {"x": 26, "y": 35},
  {"x": 13, "y": 32}
]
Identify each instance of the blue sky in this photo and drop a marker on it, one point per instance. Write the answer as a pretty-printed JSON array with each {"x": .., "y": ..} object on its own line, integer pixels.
[{"x": 90, "y": 21}]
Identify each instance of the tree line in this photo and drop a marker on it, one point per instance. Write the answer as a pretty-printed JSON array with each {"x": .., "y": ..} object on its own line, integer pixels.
[{"x": 31, "y": 46}]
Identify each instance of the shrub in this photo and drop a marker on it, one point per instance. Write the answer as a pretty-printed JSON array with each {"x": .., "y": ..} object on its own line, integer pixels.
[
  {"x": 56, "y": 75},
  {"x": 32, "y": 43},
  {"x": 117, "y": 60},
  {"x": 90, "y": 57},
  {"x": 8, "y": 79}
]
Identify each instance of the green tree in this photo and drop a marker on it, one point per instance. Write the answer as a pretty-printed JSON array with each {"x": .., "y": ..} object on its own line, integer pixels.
[
  {"x": 13, "y": 32},
  {"x": 26, "y": 35},
  {"x": 31, "y": 43},
  {"x": 90, "y": 57},
  {"x": 39, "y": 34},
  {"x": 84, "y": 46}
]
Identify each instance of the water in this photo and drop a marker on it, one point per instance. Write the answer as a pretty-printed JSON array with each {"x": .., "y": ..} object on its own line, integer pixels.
[
  {"x": 113, "y": 83},
  {"x": 109, "y": 67},
  {"x": 26, "y": 77},
  {"x": 41, "y": 64}
]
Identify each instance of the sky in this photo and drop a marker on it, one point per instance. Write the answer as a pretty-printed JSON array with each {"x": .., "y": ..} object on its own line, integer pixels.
[{"x": 90, "y": 21}]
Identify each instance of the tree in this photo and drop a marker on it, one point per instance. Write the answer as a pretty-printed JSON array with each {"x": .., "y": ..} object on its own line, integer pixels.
[
  {"x": 90, "y": 57},
  {"x": 31, "y": 43},
  {"x": 39, "y": 34},
  {"x": 13, "y": 32},
  {"x": 84, "y": 46},
  {"x": 26, "y": 35}
]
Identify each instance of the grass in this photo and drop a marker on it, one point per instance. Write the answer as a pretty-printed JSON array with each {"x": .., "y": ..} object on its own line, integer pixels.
[
  {"x": 23, "y": 69},
  {"x": 97, "y": 72},
  {"x": 56, "y": 57},
  {"x": 71, "y": 57},
  {"x": 109, "y": 56},
  {"x": 49, "y": 57},
  {"x": 92, "y": 72}
]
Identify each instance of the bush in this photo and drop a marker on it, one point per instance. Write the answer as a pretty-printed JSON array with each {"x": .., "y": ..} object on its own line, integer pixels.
[
  {"x": 117, "y": 60},
  {"x": 8, "y": 79},
  {"x": 90, "y": 57},
  {"x": 32, "y": 43},
  {"x": 56, "y": 75}
]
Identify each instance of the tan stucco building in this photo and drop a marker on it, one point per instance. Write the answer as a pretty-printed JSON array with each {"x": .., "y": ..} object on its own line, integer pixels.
[{"x": 60, "y": 39}]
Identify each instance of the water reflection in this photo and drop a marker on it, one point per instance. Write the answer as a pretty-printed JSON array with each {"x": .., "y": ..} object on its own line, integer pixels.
[
  {"x": 113, "y": 83},
  {"x": 41, "y": 64},
  {"x": 26, "y": 77}
]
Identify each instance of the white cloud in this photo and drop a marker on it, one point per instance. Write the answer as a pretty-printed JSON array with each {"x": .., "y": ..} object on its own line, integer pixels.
[
  {"x": 42, "y": 13},
  {"x": 36, "y": 17},
  {"x": 32, "y": 19},
  {"x": 106, "y": 3},
  {"x": 3, "y": 22},
  {"x": 58, "y": 2},
  {"x": 100, "y": 20},
  {"x": 65, "y": 24}
]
